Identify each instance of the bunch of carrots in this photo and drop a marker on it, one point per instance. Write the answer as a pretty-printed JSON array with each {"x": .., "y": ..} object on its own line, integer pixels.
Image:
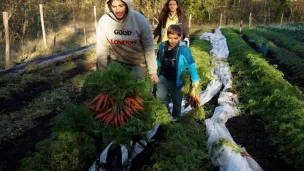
[
  {"x": 103, "y": 106},
  {"x": 193, "y": 100}
]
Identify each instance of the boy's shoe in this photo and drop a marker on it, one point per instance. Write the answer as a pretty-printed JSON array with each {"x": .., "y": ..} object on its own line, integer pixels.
[{"x": 174, "y": 119}]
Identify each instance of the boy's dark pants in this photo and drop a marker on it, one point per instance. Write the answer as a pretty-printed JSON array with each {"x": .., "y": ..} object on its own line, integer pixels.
[{"x": 165, "y": 87}]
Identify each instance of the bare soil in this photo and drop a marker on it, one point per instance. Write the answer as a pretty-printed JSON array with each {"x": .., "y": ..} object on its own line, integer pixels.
[{"x": 249, "y": 132}]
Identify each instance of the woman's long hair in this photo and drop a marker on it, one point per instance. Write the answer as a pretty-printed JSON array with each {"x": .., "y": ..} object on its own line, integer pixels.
[{"x": 165, "y": 11}]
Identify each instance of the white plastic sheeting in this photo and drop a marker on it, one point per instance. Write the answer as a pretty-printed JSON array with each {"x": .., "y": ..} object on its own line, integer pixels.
[
  {"x": 104, "y": 154},
  {"x": 124, "y": 151},
  {"x": 222, "y": 149},
  {"x": 218, "y": 42}
]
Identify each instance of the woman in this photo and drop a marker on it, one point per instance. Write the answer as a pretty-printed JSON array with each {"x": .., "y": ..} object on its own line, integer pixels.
[{"x": 171, "y": 14}]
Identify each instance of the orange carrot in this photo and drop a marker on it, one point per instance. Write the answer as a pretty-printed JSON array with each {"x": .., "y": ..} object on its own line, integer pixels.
[
  {"x": 133, "y": 108},
  {"x": 102, "y": 114},
  {"x": 138, "y": 100},
  {"x": 127, "y": 101},
  {"x": 99, "y": 102},
  {"x": 138, "y": 107},
  {"x": 96, "y": 99},
  {"x": 109, "y": 118},
  {"x": 89, "y": 106},
  {"x": 115, "y": 121},
  {"x": 125, "y": 117},
  {"x": 133, "y": 101},
  {"x": 128, "y": 111},
  {"x": 119, "y": 119},
  {"x": 105, "y": 102}
]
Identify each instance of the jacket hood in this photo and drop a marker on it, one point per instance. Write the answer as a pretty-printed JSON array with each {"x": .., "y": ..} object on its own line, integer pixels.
[{"x": 128, "y": 2}]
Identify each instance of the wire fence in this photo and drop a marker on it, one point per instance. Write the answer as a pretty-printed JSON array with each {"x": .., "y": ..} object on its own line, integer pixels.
[{"x": 42, "y": 30}]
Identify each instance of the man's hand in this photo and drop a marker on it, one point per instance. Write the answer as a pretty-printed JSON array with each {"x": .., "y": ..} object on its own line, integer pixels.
[
  {"x": 195, "y": 85},
  {"x": 154, "y": 78}
]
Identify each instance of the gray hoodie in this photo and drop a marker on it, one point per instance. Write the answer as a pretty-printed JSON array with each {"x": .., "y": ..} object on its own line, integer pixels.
[{"x": 129, "y": 42}]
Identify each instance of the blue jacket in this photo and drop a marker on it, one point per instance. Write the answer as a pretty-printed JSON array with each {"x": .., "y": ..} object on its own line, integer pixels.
[{"x": 184, "y": 61}]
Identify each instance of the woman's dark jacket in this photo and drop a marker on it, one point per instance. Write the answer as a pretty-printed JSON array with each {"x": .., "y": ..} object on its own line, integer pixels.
[{"x": 182, "y": 21}]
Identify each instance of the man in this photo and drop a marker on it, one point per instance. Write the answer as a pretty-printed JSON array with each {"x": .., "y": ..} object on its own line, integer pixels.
[{"x": 126, "y": 37}]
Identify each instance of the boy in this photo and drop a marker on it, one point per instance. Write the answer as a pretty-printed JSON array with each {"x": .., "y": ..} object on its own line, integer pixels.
[{"x": 173, "y": 58}]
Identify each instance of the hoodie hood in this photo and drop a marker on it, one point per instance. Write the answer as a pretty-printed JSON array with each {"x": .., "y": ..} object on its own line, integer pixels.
[{"x": 128, "y": 2}]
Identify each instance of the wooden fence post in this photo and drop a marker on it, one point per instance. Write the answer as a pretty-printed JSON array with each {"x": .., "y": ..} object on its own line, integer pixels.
[
  {"x": 74, "y": 21},
  {"x": 42, "y": 25},
  {"x": 282, "y": 18},
  {"x": 221, "y": 19},
  {"x": 85, "y": 35},
  {"x": 7, "y": 43},
  {"x": 250, "y": 19},
  {"x": 95, "y": 16},
  {"x": 190, "y": 21}
]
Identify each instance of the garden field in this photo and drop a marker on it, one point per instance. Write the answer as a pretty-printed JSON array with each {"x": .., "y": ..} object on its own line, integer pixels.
[{"x": 46, "y": 122}]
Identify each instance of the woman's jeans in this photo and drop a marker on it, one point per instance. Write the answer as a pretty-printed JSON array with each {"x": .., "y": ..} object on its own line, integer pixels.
[{"x": 167, "y": 87}]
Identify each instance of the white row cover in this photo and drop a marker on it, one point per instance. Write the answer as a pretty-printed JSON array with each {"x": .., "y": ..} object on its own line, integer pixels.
[
  {"x": 218, "y": 42},
  {"x": 222, "y": 149},
  {"x": 124, "y": 151}
]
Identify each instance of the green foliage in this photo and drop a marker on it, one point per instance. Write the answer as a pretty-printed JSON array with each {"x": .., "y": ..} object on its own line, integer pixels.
[
  {"x": 47, "y": 103},
  {"x": 199, "y": 113},
  {"x": 294, "y": 31},
  {"x": 186, "y": 89},
  {"x": 281, "y": 40},
  {"x": 9, "y": 85},
  {"x": 80, "y": 119},
  {"x": 116, "y": 81},
  {"x": 183, "y": 149},
  {"x": 287, "y": 60},
  {"x": 65, "y": 151},
  {"x": 216, "y": 146},
  {"x": 265, "y": 92},
  {"x": 200, "y": 51},
  {"x": 75, "y": 119}
]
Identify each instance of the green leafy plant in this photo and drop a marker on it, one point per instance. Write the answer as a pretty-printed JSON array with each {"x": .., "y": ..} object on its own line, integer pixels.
[{"x": 265, "y": 92}]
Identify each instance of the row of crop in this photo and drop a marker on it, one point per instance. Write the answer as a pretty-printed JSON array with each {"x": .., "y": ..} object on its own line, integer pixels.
[
  {"x": 183, "y": 145},
  {"x": 37, "y": 110},
  {"x": 291, "y": 63},
  {"x": 39, "y": 78},
  {"x": 281, "y": 39},
  {"x": 41, "y": 91},
  {"x": 264, "y": 91},
  {"x": 293, "y": 30}
]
